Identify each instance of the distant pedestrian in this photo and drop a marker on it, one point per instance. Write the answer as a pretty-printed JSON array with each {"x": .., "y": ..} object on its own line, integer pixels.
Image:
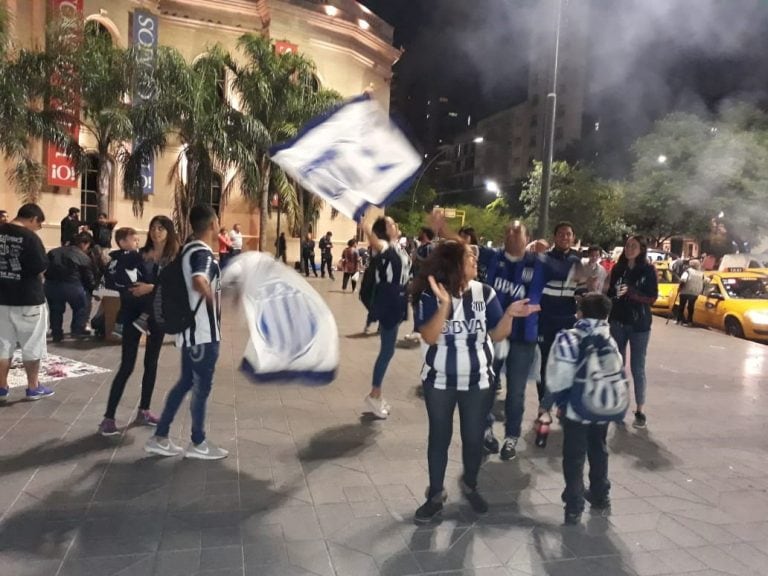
[
  {"x": 70, "y": 279},
  {"x": 350, "y": 262},
  {"x": 282, "y": 247},
  {"x": 458, "y": 318},
  {"x": 308, "y": 255},
  {"x": 199, "y": 344},
  {"x": 634, "y": 288},
  {"x": 326, "y": 255},
  {"x": 225, "y": 246},
  {"x": 691, "y": 286},
  {"x": 237, "y": 240},
  {"x": 70, "y": 225},
  {"x": 102, "y": 230},
  {"x": 595, "y": 272},
  {"x": 23, "y": 313}
]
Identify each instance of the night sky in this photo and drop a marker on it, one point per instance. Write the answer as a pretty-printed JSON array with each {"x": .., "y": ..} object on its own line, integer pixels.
[{"x": 648, "y": 57}]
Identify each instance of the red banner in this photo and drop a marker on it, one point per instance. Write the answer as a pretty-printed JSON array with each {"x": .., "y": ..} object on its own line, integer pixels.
[
  {"x": 61, "y": 170},
  {"x": 284, "y": 47}
]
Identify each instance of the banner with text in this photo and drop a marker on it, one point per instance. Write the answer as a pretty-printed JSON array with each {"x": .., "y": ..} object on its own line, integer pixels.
[
  {"x": 61, "y": 170},
  {"x": 144, "y": 27}
]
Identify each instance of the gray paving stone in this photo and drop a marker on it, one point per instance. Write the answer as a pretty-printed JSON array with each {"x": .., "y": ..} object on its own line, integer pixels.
[{"x": 311, "y": 488}]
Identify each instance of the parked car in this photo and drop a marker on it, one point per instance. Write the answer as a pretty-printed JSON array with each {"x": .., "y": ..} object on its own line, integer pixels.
[
  {"x": 735, "y": 302},
  {"x": 669, "y": 285}
]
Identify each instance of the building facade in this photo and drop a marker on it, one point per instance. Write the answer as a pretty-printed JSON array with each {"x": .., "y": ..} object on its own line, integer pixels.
[
  {"x": 514, "y": 137},
  {"x": 351, "y": 47}
]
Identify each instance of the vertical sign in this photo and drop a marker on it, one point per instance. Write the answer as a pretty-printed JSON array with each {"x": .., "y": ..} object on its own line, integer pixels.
[
  {"x": 144, "y": 38},
  {"x": 61, "y": 170},
  {"x": 284, "y": 47}
]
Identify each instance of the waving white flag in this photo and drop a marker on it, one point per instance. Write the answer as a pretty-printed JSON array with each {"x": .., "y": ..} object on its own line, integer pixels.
[
  {"x": 293, "y": 333},
  {"x": 353, "y": 158}
]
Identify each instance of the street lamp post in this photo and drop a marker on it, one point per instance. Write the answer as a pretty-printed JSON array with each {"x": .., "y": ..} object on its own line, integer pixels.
[
  {"x": 423, "y": 172},
  {"x": 549, "y": 131}
]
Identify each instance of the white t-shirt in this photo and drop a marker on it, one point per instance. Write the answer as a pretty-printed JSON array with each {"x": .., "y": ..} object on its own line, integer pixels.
[{"x": 237, "y": 239}]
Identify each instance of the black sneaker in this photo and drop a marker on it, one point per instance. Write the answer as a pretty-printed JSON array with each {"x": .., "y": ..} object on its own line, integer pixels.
[
  {"x": 572, "y": 518},
  {"x": 639, "y": 420},
  {"x": 490, "y": 443},
  {"x": 476, "y": 501},
  {"x": 597, "y": 504},
  {"x": 427, "y": 512},
  {"x": 509, "y": 449}
]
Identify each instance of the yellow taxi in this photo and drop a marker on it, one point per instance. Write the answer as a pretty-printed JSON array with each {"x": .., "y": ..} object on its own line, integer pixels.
[
  {"x": 669, "y": 284},
  {"x": 736, "y": 302}
]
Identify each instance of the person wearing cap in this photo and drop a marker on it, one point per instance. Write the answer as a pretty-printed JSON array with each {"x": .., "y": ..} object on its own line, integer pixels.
[{"x": 70, "y": 225}]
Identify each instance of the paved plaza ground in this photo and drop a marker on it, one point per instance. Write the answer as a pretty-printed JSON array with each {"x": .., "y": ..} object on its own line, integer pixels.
[{"x": 314, "y": 487}]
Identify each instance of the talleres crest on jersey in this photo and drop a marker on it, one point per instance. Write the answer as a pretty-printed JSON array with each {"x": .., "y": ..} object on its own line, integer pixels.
[{"x": 293, "y": 334}]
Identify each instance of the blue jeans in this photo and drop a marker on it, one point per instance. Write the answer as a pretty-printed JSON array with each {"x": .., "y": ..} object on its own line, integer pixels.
[
  {"x": 386, "y": 352},
  {"x": 638, "y": 347},
  {"x": 197, "y": 366},
  {"x": 518, "y": 366},
  {"x": 473, "y": 406},
  {"x": 59, "y": 294}
]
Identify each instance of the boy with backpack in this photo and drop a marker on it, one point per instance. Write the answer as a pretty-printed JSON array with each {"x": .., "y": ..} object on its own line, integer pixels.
[
  {"x": 187, "y": 303},
  {"x": 585, "y": 374}
]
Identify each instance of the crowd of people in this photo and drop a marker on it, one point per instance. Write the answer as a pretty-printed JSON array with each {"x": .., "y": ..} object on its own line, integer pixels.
[{"x": 521, "y": 312}]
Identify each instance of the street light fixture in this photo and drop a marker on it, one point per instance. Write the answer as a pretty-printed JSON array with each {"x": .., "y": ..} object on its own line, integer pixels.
[
  {"x": 661, "y": 159},
  {"x": 493, "y": 187},
  {"x": 478, "y": 140}
]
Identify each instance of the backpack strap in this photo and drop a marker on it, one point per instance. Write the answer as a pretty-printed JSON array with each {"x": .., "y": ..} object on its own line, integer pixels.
[{"x": 188, "y": 249}]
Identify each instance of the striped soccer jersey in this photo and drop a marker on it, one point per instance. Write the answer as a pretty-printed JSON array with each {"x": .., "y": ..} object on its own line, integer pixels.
[
  {"x": 207, "y": 328},
  {"x": 462, "y": 357}
]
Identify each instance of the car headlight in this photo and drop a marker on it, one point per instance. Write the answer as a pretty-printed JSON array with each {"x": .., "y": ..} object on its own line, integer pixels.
[{"x": 757, "y": 316}]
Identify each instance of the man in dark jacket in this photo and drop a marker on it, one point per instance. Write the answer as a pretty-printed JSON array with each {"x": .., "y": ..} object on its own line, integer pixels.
[
  {"x": 308, "y": 255},
  {"x": 326, "y": 255},
  {"x": 68, "y": 280},
  {"x": 70, "y": 225}
]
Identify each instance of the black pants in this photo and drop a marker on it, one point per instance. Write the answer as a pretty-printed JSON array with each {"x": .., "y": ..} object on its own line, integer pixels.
[
  {"x": 345, "y": 280},
  {"x": 326, "y": 261},
  {"x": 473, "y": 406},
  {"x": 686, "y": 301},
  {"x": 282, "y": 256},
  {"x": 129, "y": 353},
  {"x": 308, "y": 262},
  {"x": 580, "y": 440}
]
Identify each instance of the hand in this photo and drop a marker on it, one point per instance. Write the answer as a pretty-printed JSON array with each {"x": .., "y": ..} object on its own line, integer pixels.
[
  {"x": 437, "y": 221},
  {"x": 521, "y": 309},
  {"x": 439, "y": 291},
  {"x": 623, "y": 289},
  {"x": 141, "y": 289}
]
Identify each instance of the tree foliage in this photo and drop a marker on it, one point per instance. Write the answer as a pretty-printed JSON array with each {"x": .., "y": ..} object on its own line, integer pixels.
[
  {"x": 593, "y": 206},
  {"x": 688, "y": 170}
]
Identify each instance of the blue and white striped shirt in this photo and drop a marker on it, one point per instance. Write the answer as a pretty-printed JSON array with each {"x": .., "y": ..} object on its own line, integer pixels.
[
  {"x": 199, "y": 261},
  {"x": 462, "y": 357}
]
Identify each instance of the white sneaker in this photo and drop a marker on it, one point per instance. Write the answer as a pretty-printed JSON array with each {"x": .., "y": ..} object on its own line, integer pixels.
[
  {"x": 387, "y": 407},
  {"x": 205, "y": 451},
  {"x": 162, "y": 447},
  {"x": 377, "y": 406}
]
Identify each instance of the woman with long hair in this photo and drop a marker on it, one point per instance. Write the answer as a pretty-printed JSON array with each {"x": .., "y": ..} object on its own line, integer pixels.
[
  {"x": 390, "y": 303},
  {"x": 458, "y": 318},
  {"x": 161, "y": 247},
  {"x": 633, "y": 287}
]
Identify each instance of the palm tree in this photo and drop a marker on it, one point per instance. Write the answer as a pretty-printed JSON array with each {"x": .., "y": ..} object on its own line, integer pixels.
[
  {"x": 280, "y": 93},
  {"x": 25, "y": 91},
  {"x": 192, "y": 108}
]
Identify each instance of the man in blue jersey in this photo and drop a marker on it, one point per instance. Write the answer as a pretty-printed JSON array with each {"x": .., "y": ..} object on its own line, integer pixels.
[
  {"x": 515, "y": 275},
  {"x": 558, "y": 301}
]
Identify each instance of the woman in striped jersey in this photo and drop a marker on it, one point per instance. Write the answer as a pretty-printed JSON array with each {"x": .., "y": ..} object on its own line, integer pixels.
[{"x": 458, "y": 318}]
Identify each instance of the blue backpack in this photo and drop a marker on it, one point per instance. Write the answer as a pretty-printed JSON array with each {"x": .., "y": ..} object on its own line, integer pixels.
[{"x": 600, "y": 390}]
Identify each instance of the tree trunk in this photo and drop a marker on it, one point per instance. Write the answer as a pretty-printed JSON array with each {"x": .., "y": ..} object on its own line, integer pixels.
[
  {"x": 105, "y": 179},
  {"x": 265, "y": 171}
]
